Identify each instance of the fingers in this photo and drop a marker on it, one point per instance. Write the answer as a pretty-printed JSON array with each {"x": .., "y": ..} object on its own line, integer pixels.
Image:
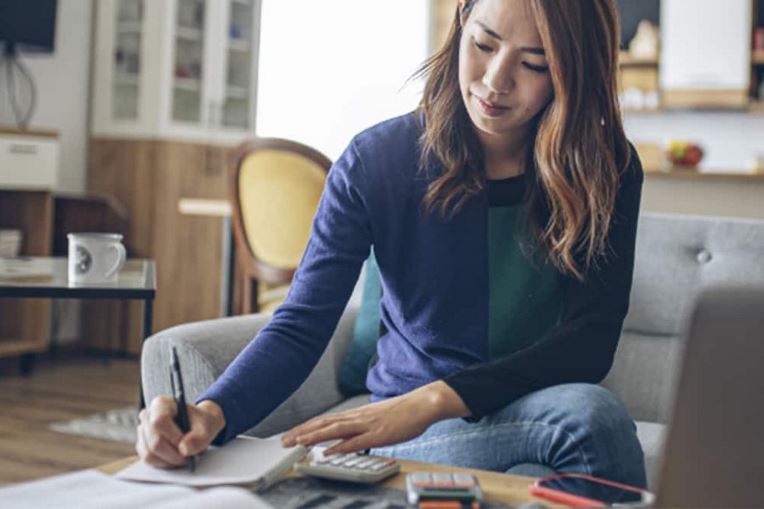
[
  {"x": 333, "y": 431},
  {"x": 161, "y": 418},
  {"x": 317, "y": 423},
  {"x": 354, "y": 444},
  {"x": 203, "y": 431},
  {"x": 156, "y": 451},
  {"x": 195, "y": 442},
  {"x": 158, "y": 435}
]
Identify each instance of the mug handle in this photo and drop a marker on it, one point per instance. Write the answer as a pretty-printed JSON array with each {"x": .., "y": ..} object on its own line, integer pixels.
[{"x": 121, "y": 259}]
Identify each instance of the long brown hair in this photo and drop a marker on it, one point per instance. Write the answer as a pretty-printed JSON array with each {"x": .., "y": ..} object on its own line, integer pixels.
[{"x": 579, "y": 146}]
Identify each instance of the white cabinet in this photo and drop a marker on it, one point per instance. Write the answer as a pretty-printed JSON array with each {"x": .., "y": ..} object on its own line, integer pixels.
[
  {"x": 28, "y": 160},
  {"x": 176, "y": 69},
  {"x": 706, "y": 52}
]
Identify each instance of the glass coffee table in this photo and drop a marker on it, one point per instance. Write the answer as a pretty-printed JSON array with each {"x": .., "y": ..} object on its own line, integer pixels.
[{"x": 47, "y": 277}]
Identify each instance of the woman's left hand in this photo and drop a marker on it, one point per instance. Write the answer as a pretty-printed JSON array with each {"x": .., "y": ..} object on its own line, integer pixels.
[{"x": 387, "y": 422}]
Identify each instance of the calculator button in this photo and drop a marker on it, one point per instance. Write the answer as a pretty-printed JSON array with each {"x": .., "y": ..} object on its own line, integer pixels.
[
  {"x": 421, "y": 479},
  {"x": 366, "y": 464},
  {"x": 442, "y": 480},
  {"x": 376, "y": 467},
  {"x": 463, "y": 481},
  {"x": 354, "y": 461},
  {"x": 338, "y": 461}
]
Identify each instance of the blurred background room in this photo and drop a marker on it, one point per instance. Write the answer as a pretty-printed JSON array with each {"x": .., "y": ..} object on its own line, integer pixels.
[{"x": 125, "y": 116}]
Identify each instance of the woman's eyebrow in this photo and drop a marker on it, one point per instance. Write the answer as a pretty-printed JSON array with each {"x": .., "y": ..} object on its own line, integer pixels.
[
  {"x": 488, "y": 30},
  {"x": 492, "y": 33}
]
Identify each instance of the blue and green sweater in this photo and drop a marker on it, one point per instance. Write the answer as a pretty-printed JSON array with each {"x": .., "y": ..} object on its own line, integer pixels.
[{"x": 460, "y": 303}]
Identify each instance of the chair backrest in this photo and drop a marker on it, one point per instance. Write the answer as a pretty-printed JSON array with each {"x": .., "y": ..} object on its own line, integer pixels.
[
  {"x": 276, "y": 188},
  {"x": 677, "y": 256}
]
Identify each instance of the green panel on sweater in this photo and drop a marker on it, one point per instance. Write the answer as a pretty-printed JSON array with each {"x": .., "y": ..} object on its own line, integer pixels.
[{"x": 526, "y": 297}]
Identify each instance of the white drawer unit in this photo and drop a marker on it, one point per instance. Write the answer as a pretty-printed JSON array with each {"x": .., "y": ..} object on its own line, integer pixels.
[{"x": 28, "y": 161}]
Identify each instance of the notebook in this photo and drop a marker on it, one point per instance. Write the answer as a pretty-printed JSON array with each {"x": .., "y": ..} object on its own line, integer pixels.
[{"x": 255, "y": 462}]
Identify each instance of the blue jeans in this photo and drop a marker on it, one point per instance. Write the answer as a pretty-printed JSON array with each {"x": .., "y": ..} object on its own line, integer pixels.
[{"x": 580, "y": 428}]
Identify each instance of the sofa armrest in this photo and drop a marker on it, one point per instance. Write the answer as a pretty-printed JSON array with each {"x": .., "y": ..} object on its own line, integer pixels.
[{"x": 206, "y": 348}]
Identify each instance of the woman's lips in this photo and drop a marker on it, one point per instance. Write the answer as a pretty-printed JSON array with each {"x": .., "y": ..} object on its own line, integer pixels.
[{"x": 490, "y": 109}]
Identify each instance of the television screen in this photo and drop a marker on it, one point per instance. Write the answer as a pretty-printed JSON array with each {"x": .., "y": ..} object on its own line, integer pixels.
[{"x": 29, "y": 25}]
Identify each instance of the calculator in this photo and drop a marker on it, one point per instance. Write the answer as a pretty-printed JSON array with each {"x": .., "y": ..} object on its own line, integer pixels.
[
  {"x": 352, "y": 467},
  {"x": 424, "y": 487}
]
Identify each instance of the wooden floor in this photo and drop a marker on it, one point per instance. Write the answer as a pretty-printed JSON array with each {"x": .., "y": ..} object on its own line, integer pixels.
[{"x": 63, "y": 387}]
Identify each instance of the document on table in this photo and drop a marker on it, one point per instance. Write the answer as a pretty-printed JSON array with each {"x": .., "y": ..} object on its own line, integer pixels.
[
  {"x": 90, "y": 489},
  {"x": 257, "y": 462}
]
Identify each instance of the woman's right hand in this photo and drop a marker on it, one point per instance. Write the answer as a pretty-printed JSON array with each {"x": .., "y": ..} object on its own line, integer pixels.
[{"x": 160, "y": 441}]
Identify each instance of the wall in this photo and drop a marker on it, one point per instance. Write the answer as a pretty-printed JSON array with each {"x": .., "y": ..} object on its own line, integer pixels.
[
  {"x": 330, "y": 69},
  {"x": 62, "y": 80}
]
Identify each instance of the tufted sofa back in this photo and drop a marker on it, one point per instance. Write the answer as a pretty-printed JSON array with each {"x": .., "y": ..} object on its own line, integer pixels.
[{"x": 676, "y": 257}]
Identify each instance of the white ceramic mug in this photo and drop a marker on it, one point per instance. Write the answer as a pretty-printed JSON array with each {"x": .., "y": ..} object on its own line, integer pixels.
[{"x": 95, "y": 258}]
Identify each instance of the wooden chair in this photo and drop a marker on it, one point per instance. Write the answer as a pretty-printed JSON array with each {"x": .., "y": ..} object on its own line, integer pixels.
[{"x": 276, "y": 188}]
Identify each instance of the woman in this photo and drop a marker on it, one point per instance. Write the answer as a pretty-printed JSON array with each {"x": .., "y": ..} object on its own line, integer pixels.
[{"x": 503, "y": 217}]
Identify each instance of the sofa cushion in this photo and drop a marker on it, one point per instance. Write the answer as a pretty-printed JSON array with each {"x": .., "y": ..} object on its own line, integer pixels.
[
  {"x": 652, "y": 436},
  {"x": 352, "y": 376},
  {"x": 678, "y": 255},
  {"x": 643, "y": 374}
]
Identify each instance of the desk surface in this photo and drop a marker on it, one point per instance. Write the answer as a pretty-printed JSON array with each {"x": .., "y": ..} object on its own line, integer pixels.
[
  {"x": 507, "y": 489},
  {"x": 48, "y": 277}
]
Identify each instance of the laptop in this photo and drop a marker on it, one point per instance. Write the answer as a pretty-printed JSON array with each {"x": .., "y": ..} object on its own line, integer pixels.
[{"x": 714, "y": 449}]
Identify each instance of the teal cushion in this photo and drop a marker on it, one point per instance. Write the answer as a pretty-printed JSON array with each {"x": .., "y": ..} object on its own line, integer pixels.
[{"x": 364, "y": 344}]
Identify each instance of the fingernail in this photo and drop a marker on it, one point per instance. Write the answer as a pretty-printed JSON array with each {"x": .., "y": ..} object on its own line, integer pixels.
[{"x": 183, "y": 449}]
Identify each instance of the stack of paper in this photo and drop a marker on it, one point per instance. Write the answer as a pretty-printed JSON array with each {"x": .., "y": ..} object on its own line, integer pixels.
[{"x": 89, "y": 489}]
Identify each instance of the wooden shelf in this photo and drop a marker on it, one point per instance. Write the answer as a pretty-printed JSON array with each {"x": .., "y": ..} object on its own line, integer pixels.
[
  {"x": 626, "y": 60},
  {"x": 644, "y": 111},
  {"x": 756, "y": 107},
  {"x": 706, "y": 99},
  {"x": 757, "y": 57},
  {"x": 42, "y": 133},
  {"x": 704, "y": 175},
  {"x": 25, "y": 323}
]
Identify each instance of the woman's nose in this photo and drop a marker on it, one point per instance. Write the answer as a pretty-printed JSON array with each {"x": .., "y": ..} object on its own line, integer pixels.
[{"x": 498, "y": 76}]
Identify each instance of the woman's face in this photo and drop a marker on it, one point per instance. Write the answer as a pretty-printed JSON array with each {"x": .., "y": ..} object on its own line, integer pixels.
[{"x": 503, "y": 73}]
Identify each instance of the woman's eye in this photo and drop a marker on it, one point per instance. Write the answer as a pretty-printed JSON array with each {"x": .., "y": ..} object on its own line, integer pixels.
[
  {"x": 482, "y": 47},
  {"x": 536, "y": 68}
]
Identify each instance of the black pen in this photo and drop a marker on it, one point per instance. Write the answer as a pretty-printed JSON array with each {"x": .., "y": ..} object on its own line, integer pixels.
[{"x": 181, "y": 419}]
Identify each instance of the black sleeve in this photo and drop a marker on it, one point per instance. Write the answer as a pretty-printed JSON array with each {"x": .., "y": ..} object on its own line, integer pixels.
[{"x": 580, "y": 348}]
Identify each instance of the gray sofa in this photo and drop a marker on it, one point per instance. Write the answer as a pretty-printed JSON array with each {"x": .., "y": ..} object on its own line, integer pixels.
[{"x": 676, "y": 257}]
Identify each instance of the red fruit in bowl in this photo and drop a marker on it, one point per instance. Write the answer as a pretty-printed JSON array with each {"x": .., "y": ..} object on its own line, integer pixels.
[{"x": 693, "y": 155}]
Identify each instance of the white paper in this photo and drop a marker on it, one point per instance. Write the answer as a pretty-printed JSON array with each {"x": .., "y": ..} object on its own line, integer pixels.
[
  {"x": 90, "y": 489},
  {"x": 244, "y": 460}
]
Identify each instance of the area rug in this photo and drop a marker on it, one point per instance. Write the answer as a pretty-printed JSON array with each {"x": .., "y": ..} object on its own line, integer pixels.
[{"x": 115, "y": 425}]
